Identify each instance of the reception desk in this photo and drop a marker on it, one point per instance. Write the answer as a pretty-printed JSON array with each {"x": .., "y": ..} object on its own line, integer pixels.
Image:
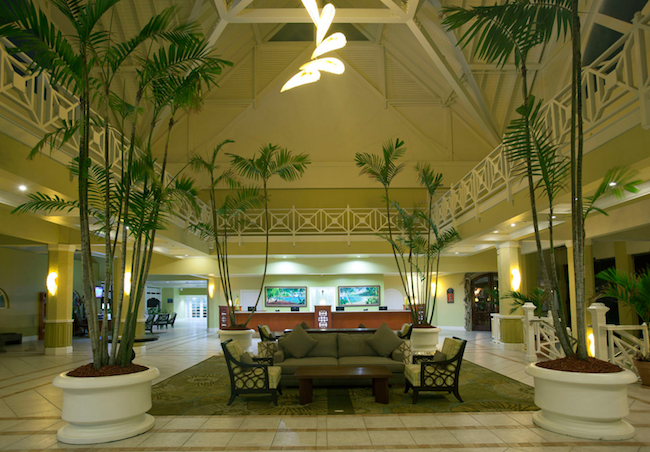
[{"x": 279, "y": 321}]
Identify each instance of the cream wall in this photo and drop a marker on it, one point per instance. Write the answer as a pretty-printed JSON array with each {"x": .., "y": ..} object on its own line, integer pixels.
[{"x": 22, "y": 276}]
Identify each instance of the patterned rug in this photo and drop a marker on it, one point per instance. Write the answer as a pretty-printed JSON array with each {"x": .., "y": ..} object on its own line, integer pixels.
[{"x": 204, "y": 389}]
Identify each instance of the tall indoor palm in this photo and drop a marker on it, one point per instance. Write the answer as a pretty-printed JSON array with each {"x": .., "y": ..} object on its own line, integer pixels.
[
  {"x": 85, "y": 62},
  {"x": 227, "y": 211},
  {"x": 272, "y": 161},
  {"x": 508, "y": 31}
]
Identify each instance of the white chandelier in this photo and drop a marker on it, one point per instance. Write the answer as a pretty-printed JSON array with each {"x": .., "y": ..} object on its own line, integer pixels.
[{"x": 310, "y": 71}]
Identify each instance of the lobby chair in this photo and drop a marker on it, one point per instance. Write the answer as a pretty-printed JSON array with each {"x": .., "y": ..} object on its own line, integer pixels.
[
  {"x": 439, "y": 372},
  {"x": 266, "y": 334},
  {"x": 254, "y": 377},
  {"x": 148, "y": 324},
  {"x": 405, "y": 332}
]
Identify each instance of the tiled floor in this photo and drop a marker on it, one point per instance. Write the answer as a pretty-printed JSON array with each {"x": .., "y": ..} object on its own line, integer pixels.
[{"x": 30, "y": 411}]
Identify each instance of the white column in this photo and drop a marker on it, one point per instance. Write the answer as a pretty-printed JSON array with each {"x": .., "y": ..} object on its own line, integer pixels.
[
  {"x": 598, "y": 319},
  {"x": 529, "y": 332}
]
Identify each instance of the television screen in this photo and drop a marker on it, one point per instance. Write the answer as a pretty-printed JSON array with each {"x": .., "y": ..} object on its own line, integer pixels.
[
  {"x": 99, "y": 291},
  {"x": 285, "y": 296}
]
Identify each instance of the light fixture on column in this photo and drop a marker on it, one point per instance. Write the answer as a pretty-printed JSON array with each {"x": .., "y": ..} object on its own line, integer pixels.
[
  {"x": 515, "y": 279},
  {"x": 51, "y": 283},
  {"x": 310, "y": 71},
  {"x": 127, "y": 283},
  {"x": 211, "y": 290}
]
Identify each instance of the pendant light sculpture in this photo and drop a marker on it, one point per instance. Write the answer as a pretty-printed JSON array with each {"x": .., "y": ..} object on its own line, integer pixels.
[{"x": 310, "y": 71}]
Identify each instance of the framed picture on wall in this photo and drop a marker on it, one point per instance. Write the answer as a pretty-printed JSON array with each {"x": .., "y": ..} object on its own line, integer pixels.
[
  {"x": 358, "y": 296},
  {"x": 4, "y": 299},
  {"x": 285, "y": 296}
]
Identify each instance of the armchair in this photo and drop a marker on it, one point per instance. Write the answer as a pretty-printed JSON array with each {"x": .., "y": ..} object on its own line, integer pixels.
[
  {"x": 257, "y": 377},
  {"x": 405, "y": 332},
  {"x": 266, "y": 334},
  {"x": 427, "y": 374}
]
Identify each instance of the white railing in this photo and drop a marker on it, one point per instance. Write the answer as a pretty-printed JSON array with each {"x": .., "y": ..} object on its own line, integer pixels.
[
  {"x": 616, "y": 343},
  {"x": 614, "y": 85},
  {"x": 30, "y": 100},
  {"x": 540, "y": 336}
]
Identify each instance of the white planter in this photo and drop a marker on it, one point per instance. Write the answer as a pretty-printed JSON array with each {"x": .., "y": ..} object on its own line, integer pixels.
[
  {"x": 102, "y": 409},
  {"x": 425, "y": 339},
  {"x": 245, "y": 337},
  {"x": 583, "y": 405}
]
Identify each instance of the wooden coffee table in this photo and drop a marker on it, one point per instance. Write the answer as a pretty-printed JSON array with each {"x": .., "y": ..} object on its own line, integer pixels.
[{"x": 379, "y": 375}]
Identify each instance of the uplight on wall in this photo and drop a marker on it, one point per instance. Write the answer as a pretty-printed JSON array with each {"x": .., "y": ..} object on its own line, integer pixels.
[
  {"x": 211, "y": 290},
  {"x": 515, "y": 279},
  {"x": 433, "y": 287},
  {"x": 51, "y": 283},
  {"x": 127, "y": 283},
  {"x": 592, "y": 344}
]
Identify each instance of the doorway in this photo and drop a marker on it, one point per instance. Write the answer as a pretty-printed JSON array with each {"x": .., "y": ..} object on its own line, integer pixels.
[
  {"x": 485, "y": 300},
  {"x": 197, "y": 308}
]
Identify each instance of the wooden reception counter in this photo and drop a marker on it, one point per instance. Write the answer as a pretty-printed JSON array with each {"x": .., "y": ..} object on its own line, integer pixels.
[{"x": 324, "y": 318}]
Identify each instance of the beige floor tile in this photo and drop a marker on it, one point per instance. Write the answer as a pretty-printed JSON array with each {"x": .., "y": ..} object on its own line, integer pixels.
[
  {"x": 185, "y": 423},
  {"x": 383, "y": 422},
  {"x": 490, "y": 419},
  {"x": 254, "y": 423},
  {"x": 479, "y": 436},
  {"x": 356, "y": 438},
  {"x": 321, "y": 439},
  {"x": 33, "y": 425},
  {"x": 476, "y": 449},
  {"x": 8, "y": 440},
  {"x": 251, "y": 439},
  {"x": 295, "y": 439},
  {"x": 161, "y": 421},
  {"x": 34, "y": 442},
  {"x": 457, "y": 420},
  {"x": 522, "y": 418},
  {"x": 425, "y": 420},
  {"x": 433, "y": 437},
  {"x": 391, "y": 438},
  {"x": 608, "y": 446},
  {"x": 555, "y": 437},
  {"x": 337, "y": 422},
  {"x": 5, "y": 424},
  {"x": 203, "y": 439},
  {"x": 223, "y": 422},
  {"x": 517, "y": 435},
  {"x": 164, "y": 439},
  {"x": 298, "y": 422},
  {"x": 642, "y": 434}
]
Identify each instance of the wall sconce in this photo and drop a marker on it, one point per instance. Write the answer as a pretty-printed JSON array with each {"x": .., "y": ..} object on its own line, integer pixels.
[
  {"x": 127, "y": 283},
  {"x": 51, "y": 283},
  {"x": 433, "y": 287},
  {"x": 515, "y": 280},
  {"x": 211, "y": 290},
  {"x": 592, "y": 344}
]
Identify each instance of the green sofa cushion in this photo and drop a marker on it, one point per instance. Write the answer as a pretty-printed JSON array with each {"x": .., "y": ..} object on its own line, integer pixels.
[
  {"x": 355, "y": 344},
  {"x": 393, "y": 366},
  {"x": 290, "y": 365},
  {"x": 326, "y": 345},
  {"x": 298, "y": 343},
  {"x": 384, "y": 341}
]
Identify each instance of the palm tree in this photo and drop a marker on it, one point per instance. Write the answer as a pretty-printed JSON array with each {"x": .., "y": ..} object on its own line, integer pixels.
[
  {"x": 631, "y": 289},
  {"x": 272, "y": 161},
  {"x": 511, "y": 30},
  {"x": 86, "y": 63},
  {"x": 225, "y": 214}
]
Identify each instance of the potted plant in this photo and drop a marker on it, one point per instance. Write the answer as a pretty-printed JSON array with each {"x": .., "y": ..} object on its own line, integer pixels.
[
  {"x": 227, "y": 212},
  {"x": 138, "y": 198},
  {"x": 633, "y": 290},
  {"x": 578, "y": 395},
  {"x": 417, "y": 244}
]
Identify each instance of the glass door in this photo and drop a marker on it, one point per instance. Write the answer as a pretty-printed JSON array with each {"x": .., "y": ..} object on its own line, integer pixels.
[{"x": 485, "y": 300}]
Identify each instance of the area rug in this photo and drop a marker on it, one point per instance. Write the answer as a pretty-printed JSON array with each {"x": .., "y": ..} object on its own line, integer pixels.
[{"x": 204, "y": 389}]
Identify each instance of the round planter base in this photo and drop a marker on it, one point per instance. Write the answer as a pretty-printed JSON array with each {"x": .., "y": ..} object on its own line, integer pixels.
[
  {"x": 245, "y": 337},
  {"x": 614, "y": 430},
  {"x": 425, "y": 339},
  {"x": 73, "y": 434}
]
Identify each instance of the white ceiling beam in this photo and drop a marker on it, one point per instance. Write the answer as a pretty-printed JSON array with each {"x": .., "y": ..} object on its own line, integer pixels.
[
  {"x": 218, "y": 29},
  {"x": 220, "y": 5},
  {"x": 300, "y": 15},
  {"x": 196, "y": 10},
  {"x": 613, "y": 23},
  {"x": 484, "y": 67},
  {"x": 412, "y": 8},
  {"x": 237, "y": 7},
  {"x": 394, "y": 7},
  {"x": 479, "y": 113}
]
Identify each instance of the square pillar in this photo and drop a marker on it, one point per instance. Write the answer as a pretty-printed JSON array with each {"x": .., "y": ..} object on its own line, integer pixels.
[
  {"x": 118, "y": 287},
  {"x": 58, "y": 314},
  {"x": 511, "y": 273},
  {"x": 214, "y": 289}
]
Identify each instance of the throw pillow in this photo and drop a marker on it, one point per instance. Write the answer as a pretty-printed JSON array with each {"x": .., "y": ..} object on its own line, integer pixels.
[
  {"x": 298, "y": 342},
  {"x": 384, "y": 341},
  {"x": 304, "y": 325},
  {"x": 439, "y": 356},
  {"x": 361, "y": 325},
  {"x": 246, "y": 358}
]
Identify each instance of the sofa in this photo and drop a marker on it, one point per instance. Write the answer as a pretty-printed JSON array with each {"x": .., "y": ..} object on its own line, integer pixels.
[{"x": 341, "y": 349}]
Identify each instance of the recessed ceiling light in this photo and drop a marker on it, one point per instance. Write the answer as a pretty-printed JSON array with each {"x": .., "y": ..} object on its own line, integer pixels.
[
  {"x": 284, "y": 257},
  {"x": 496, "y": 232},
  {"x": 513, "y": 225},
  {"x": 457, "y": 252},
  {"x": 22, "y": 187},
  {"x": 554, "y": 217},
  {"x": 186, "y": 255},
  {"x": 612, "y": 184},
  {"x": 359, "y": 256}
]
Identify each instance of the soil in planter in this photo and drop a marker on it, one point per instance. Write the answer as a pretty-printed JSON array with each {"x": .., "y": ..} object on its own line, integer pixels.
[
  {"x": 586, "y": 366},
  {"x": 235, "y": 328},
  {"x": 423, "y": 325},
  {"x": 107, "y": 371}
]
